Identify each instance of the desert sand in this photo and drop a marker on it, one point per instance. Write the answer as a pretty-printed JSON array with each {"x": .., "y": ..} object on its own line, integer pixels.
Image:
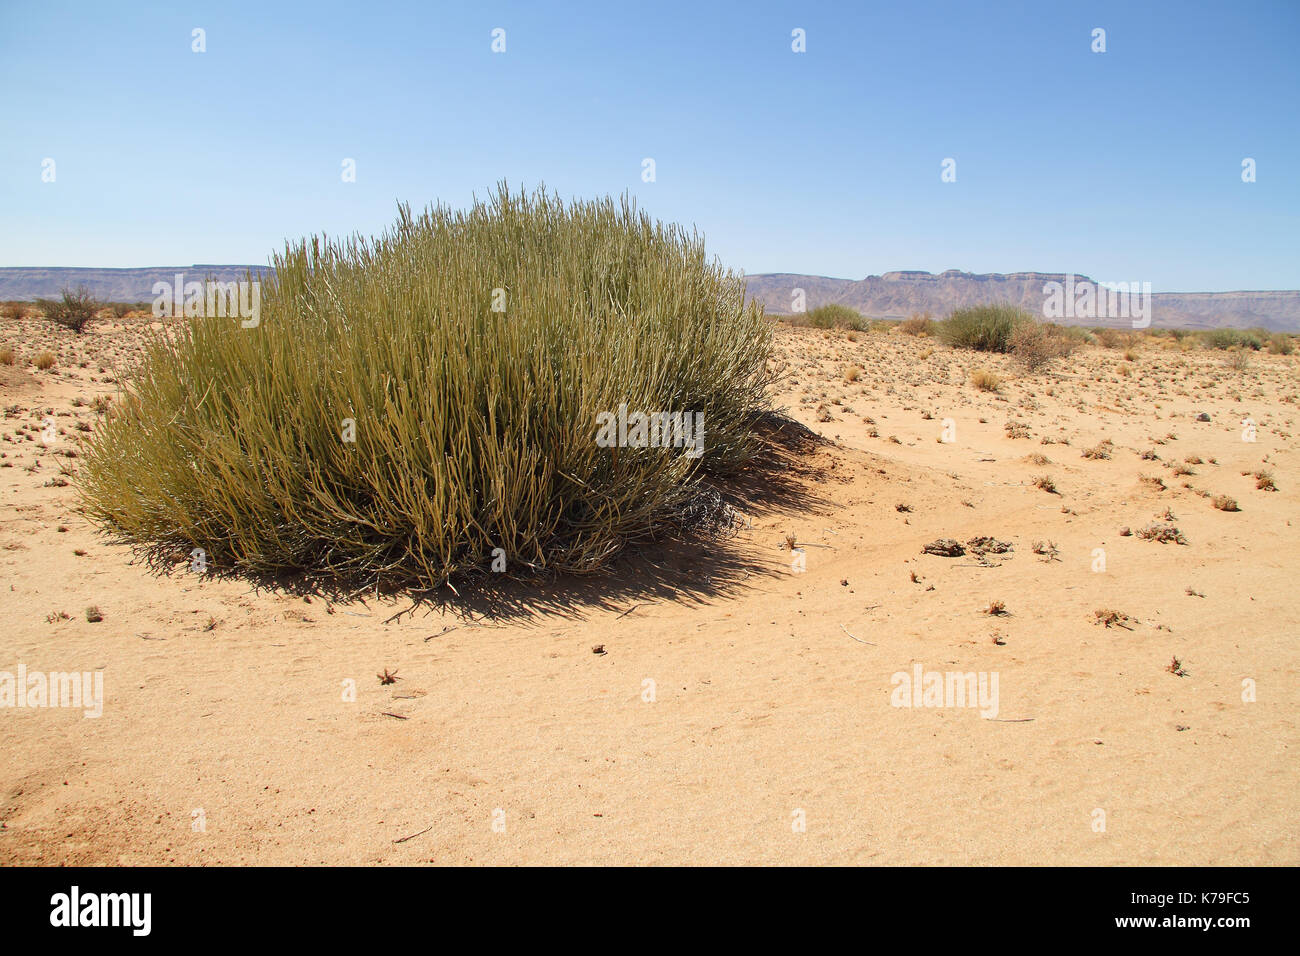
[{"x": 740, "y": 711}]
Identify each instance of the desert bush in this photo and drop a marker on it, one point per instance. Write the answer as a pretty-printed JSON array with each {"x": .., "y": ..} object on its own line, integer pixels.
[
  {"x": 1228, "y": 338},
  {"x": 472, "y": 428},
  {"x": 14, "y": 310},
  {"x": 985, "y": 328},
  {"x": 917, "y": 325},
  {"x": 985, "y": 380},
  {"x": 1280, "y": 344},
  {"x": 1108, "y": 338},
  {"x": 7, "y": 356},
  {"x": 44, "y": 360},
  {"x": 835, "y": 316},
  {"x": 1037, "y": 344},
  {"x": 72, "y": 311},
  {"x": 120, "y": 310}
]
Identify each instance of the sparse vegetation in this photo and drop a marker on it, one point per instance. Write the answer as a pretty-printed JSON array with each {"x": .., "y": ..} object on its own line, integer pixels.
[{"x": 985, "y": 380}]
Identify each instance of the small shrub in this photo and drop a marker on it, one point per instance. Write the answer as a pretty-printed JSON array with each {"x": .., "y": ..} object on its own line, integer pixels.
[
  {"x": 1280, "y": 344},
  {"x": 1037, "y": 344},
  {"x": 1110, "y": 617},
  {"x": 1100, "y": 452},
  {"x": 1164, "y": 533},
  {"x": 1045, "y": 483},
  {"x": 984, "y": 380},
  {"x": 1224, "y": 503},
  {"x": 835, "y": 316},
  {"x": 14, "y": 311},
  {"x": 7, "y": 357},
  {"x": 917, "y": 325},
  {"x": 44, "y": 360},
  {"x": 984, "y": 328},
  {"x": 73, "y": 311}
]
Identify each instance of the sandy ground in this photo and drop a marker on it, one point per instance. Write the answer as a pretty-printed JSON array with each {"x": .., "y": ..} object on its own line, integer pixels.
[{"x": 742, "y": 711}]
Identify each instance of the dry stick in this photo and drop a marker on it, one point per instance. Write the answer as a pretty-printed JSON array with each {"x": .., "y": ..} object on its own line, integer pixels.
[
  {"x": 398, "y": 716},
  {"x": 858, "y": 639},
  {"x": 630, "y": 610},
  {"x": 1011, "y": 720},
  {"x": 413, "y": 835},
  {"x": 445, "y": 630}
]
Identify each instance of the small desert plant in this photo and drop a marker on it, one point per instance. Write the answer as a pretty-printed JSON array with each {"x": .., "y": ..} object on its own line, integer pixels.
[
  {"x": 996, "y": 608},
  {"x": 73, "y": 311},
  {"x": 44, "y": 360},
  {"x": 1221, "y": 338},
  {"x": 835, "y": 316},
  {"x": 985, "y": 328},
  {"x": 411, "y": 403},
  {"x": 1280, "y": 344},
  {"x": 1110, "y": 617},
  {"x": 1239, "y": 360},
  {"x": 1045, "y": 483},
  {"x": 1100, "y": 452},
  {"x": 7, "y": 357},
  {"x": 917, "y": 325},
  {"x": 985, "y": 380},
  {"x": 1224, "y": 503},
  {"x": 1264, "y": 480},
  {"x": 120, "y": 310},
  {"x": 1164, "y": 533},
  {"x": 1047, "y": 550},
  {"x": 1036, "y": 344},
  {"x": 13, "y": 310},
  {"x": 93, "y": 614}
]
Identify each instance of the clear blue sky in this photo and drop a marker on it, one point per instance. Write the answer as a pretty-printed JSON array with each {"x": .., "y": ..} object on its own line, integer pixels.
[{"x": 1122, "y": 166}]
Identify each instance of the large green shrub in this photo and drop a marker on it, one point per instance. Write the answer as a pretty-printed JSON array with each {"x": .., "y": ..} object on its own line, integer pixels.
[
  {"x": 985, "y": 328},
  {"x": 473, "y": 429}
]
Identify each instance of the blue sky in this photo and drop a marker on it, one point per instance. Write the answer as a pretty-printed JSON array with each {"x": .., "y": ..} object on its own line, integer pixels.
[{"x": 1123, "y": 165}]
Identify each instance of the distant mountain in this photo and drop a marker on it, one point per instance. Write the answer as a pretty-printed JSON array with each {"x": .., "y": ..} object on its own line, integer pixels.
[
  {"x": 111, "y": 285},
  {"x": 896, "y": 295}
]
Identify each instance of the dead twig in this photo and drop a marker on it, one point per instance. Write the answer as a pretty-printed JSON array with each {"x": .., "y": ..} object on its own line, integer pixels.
[
  {"x": 858, "y": 639},
  {"x": 413, "y": 835}
]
